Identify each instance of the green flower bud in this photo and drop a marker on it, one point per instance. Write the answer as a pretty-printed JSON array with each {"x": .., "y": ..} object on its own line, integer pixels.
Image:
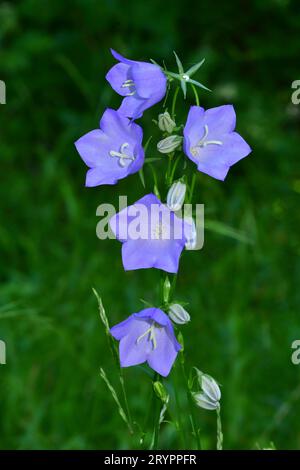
[
  {"x": 166, "y": 123},
  {"x": 161, "y": 392},
  {"x": 166, "y": 289},
  {"x": 169, "y": 144}
]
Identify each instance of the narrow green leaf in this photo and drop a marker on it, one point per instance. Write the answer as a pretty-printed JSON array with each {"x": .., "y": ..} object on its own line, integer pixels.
[
  {"x": 179, "y": 64},
  {"x": 199, "y": 84},
  {"x": 194, "y": 68},
  {"x": 183, "y": 87},
  {"x": 227, "y": 231},
  {"x": 142, "y": 177},
  {"x": 152, "y": 159}
]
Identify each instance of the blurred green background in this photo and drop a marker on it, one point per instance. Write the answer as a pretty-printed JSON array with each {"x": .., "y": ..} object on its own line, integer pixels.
[{"x": 244, "y": 298}]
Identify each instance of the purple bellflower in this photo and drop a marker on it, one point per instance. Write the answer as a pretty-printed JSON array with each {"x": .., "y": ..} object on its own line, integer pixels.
[
  {"x": 147, "y": 336},
  {"x": 152, "y": 235},
  {"x": 112, "y": 152},
  {"x": 141, "y": 83},
  {"x": 210, "y": 140}
]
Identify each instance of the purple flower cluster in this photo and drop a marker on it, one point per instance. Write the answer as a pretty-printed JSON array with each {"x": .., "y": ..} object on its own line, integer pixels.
[{"x": 115, "y": 151}]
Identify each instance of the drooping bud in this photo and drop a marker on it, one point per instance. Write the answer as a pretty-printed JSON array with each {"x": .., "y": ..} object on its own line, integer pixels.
[
  {"x": 166, "y": 123},
  {"x": 176, "y": 195},
  {"x": 209, "y": 398},
  {"x": 178, "y": 314},
  {"x": 191, "y": 236},
  {"x": 169, "y": 144}
]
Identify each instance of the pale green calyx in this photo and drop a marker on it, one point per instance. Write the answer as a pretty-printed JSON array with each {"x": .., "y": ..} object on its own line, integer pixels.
[
  {"x": 185, "y": 77},
  {"x": 169, "y": 144},
  {"x": 178, "y": 314},
  {"x": 166, "y": 123}
]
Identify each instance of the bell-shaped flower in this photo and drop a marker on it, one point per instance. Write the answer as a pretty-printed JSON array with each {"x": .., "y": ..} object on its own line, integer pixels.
[
  {"x": 147, "y": 336},
  {"x": 210, "y": 140},
  {"x": 112, "y": 152},
  {"x": 141, "y": 83},
  {"x": 152, "y": 235}
]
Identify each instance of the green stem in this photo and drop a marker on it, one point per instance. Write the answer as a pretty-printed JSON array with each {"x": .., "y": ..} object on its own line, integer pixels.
[
  {"x": 219, "y": 430},
  {"x": 191, "y": 404},
  {"x": 157, "y": 408},
  {"x": 196, "y": 94},
  {"x": 174, "y": 102},
  {"x": 121, "y": 376},
  {"x": 192, "y": 187}
]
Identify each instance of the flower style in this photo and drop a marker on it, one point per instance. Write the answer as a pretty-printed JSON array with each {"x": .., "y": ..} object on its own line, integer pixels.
[
  {"x": 141, "y": 83},
  {"x": 210, "y": 140},
  {"x": 152, "y": 235},
  {"x": 112, "y": 152},
  {"x": 147, "y": 336}
]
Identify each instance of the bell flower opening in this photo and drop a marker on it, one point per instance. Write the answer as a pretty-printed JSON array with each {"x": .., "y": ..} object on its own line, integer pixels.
[
  {"x": 147, "y": 336},
  {"x": 112, "y": 152},
  {"x": 211, "y": 142},
  {"x": 142, "y": 84}
]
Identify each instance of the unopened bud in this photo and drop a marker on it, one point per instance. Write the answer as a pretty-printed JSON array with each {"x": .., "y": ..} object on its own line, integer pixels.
[
  {"x": 191, "y": 236},
  {"x": 166, "y": 289},
  {"x": 169, "y": 144},
  {"x": 166, "y": 123},
  {"x": 161, "y": 391},
  {"x": 210, "y": 396},
  {"x": 176, "y": 195},
  {"x": 178, "y": 314}
]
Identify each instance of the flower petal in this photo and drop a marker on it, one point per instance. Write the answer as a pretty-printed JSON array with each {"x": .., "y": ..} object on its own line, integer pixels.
[
  {"x": 91, "y": 146},
  {"x": 220, "y": 120},
  {"x": 121, "y": 58},
  {"x": 116, "y": 77},
  {"x": 215, "y": 160},
  {"x": 132, "y": 351},
  {"x": 149, "y": 80},
  {"x": 96, "y": 177},
  {"x": 163, "y": 356},
  {"x": 194, "y": 126},
  {"x": 133, "y": 106},
  {"x": 122, "y": 329}
]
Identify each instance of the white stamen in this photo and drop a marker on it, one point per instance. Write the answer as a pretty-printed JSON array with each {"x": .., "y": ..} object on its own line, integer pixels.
[
  {"x": 159, "y": 232},
  {"x": 203, "y": 143},
  {"x": 123, "y": 157},
  {"x": 151, "y": 332},
  {"x": 128, "y": 84}
]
